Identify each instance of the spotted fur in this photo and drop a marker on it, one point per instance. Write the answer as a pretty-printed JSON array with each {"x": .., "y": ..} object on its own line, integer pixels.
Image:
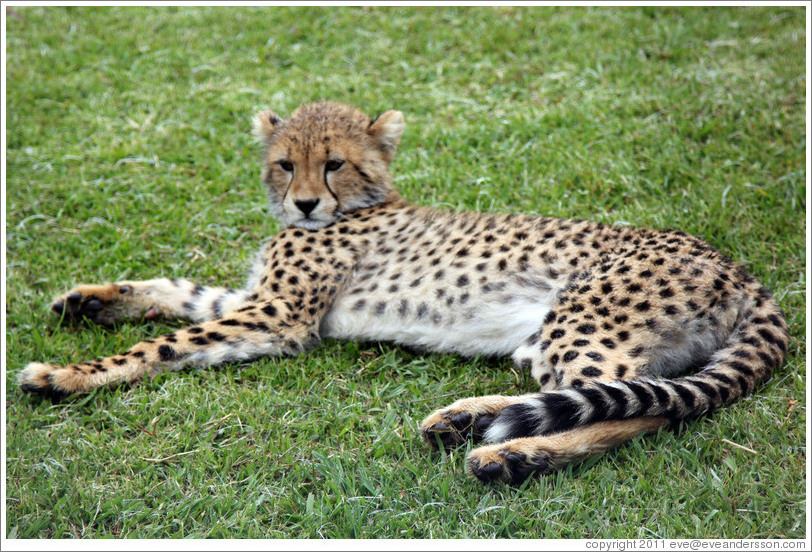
[{"x": 626, "y": 330}]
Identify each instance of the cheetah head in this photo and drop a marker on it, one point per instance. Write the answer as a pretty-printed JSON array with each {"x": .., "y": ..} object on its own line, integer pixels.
[{"x": 325, "y": 160}]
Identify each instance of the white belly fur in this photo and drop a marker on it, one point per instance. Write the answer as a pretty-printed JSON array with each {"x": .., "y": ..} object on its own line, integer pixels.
[{"x": 492, "y": 328}]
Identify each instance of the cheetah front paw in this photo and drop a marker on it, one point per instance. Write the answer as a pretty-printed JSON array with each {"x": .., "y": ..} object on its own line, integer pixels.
[
  {"x": 466, "y": 419},
  {"x": 100, "y": 304},
  {"x": 58, "y": 382},
  {"x": 453, "y": 427},
  {"x": 511, "y": 462},
  {"x": 42, "y": 379}
]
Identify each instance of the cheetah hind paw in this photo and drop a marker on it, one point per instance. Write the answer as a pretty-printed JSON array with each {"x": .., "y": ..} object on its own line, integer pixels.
[{"x": 511, "y": 462}]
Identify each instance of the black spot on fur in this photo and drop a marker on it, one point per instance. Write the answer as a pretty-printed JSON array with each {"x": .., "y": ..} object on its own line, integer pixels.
[
  {"x": 586, "y": 329},
  {"x": 570, "y": 356},
  {"x": 592, "y": 372},
  {"x": 637, "y": 351},
  {"x": 167, "y": 353}
]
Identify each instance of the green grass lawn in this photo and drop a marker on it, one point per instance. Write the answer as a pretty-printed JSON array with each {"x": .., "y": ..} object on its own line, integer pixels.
[{"x": 129, "y": 155}]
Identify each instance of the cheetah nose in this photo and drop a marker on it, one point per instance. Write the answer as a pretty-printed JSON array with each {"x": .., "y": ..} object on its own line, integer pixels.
[{"x": 306, "y": 206}]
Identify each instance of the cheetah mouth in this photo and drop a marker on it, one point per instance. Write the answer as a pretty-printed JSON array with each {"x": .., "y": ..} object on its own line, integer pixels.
[{"x": 311, "y": 223}]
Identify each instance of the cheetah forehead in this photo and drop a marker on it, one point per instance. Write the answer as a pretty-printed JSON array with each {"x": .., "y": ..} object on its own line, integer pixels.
[
  {"x": 325, "y": 120},
  {"x": 326, "y": 125}
]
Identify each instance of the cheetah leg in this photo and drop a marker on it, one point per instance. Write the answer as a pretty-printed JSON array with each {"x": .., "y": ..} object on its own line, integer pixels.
[
  {"x": 163, "y": 297},
  {"x": 261, "y": 329},
  {"x": 517, "y": 459}
]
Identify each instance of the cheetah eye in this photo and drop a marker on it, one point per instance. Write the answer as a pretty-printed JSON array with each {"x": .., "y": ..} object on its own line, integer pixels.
[
  {"x": 333, "y": 165},
  {"x": 285, "y": 165}
]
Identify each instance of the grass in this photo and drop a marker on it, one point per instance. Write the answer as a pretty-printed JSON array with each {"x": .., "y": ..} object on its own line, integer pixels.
[{"x": 129, "y": 156}]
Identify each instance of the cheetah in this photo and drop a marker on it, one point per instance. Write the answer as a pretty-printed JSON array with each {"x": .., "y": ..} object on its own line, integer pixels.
[{"x": 626, "y": 330}]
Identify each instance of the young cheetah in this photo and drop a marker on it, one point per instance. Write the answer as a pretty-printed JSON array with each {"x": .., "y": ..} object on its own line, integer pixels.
[{"x": 626, "y": 330}]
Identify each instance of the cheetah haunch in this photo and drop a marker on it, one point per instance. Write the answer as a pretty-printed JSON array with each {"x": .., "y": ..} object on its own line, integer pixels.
[{"x": 626, "y": 330}]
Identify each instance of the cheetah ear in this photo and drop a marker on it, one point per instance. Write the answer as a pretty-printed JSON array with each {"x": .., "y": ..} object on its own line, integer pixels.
[
  {"x": 265, "y": 124},
  {"x": 387, "y": 130}
]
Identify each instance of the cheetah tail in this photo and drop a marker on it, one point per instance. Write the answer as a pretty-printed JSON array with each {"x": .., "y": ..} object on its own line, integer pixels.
[{"x": 754, "y": 348}]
